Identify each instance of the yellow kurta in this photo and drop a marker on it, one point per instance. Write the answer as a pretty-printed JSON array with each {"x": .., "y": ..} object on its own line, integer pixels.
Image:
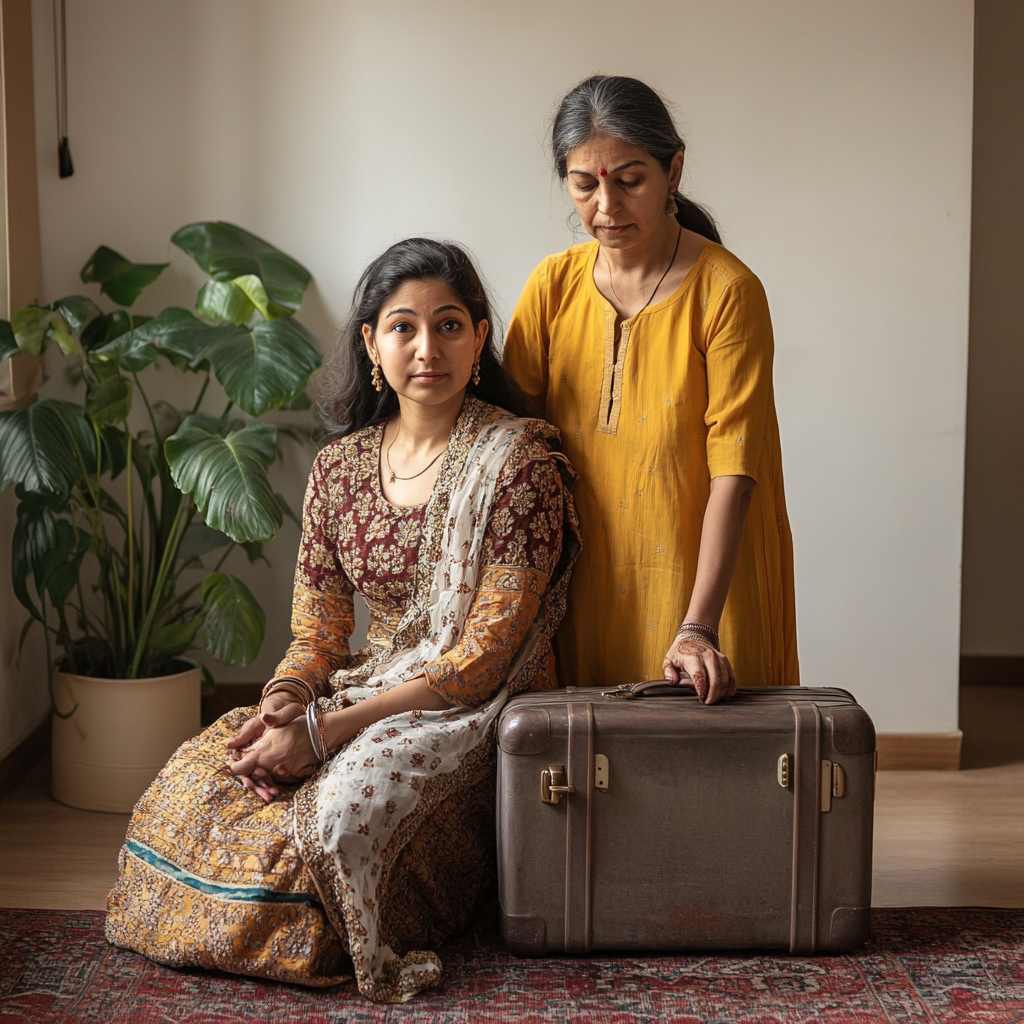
[{"x": 684, "y": 397}]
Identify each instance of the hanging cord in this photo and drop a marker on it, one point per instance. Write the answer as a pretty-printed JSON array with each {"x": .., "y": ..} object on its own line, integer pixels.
[{"x": 60, "y": 66}]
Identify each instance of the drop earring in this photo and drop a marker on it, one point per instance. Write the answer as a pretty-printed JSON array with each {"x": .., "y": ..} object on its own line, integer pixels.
[
  {"x": 476, "y": 370},
  {"x": 670, "y": 205},
  {"x": 377, "y": 377}
]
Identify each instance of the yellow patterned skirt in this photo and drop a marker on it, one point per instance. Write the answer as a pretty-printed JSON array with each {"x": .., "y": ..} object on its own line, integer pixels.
[{"x": 211, "y": 876}]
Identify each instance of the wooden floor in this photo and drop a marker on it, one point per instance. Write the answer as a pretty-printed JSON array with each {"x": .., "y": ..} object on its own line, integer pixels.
[{"x": 941, "y": 838}]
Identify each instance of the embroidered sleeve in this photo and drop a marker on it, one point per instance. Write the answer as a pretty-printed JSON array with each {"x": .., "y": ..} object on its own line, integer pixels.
[
  {"x": 322, "y": 607},
  {"x": 522, "y": 545}
]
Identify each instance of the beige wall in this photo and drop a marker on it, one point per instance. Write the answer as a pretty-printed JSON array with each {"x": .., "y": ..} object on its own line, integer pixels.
[
  {"x": 993, "y": 584},
  {"x": 831, "y": 139}
]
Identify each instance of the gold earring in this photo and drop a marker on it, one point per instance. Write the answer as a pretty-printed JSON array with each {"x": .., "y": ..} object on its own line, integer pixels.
[
  {"x": 670, "y": 206},
  {"x": 376, "y": 377},
  {"x": 476, "y": 370}
]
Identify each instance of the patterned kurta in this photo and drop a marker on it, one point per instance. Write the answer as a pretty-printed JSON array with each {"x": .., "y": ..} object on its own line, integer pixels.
[
  {"x": 355, "y": 539},
  {"x": 212, "y": 877}
]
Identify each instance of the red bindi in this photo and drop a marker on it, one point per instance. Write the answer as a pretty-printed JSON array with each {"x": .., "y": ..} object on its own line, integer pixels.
[{"x": 603, "y": 172}]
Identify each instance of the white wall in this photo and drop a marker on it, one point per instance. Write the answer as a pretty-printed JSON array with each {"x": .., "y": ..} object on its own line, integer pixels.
[{"x": 831, "y": 139}]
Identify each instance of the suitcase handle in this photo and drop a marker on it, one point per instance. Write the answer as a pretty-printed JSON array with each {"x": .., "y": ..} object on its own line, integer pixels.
[{"x": 653, "y": 688}]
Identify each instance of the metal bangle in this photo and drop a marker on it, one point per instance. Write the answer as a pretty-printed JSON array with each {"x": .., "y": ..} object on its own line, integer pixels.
[
  {"x": 301, "y": 691},
  {"x": 699, "y": 637},
  {"x": 314, "y": 733},
  {"x": 699, "y": 627},
  {"x": 322, "y": 732}
]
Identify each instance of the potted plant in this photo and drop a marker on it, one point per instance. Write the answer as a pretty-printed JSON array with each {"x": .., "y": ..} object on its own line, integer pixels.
[{"x": 114, "y": 517}]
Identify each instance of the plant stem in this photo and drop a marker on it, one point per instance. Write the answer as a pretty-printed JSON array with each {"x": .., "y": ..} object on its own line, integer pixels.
[
  {"x": 131, "y": 548},
  {"x": 154, "y": 532},
  {"x": 170, "y": 552},
  {"x": 223, "y": 558},
  {"x": 101, "y": 548},
  {"x": 202, "y": 392},
  {"x": 149, "y": 410},
  {"x": 227, "y": 409}
]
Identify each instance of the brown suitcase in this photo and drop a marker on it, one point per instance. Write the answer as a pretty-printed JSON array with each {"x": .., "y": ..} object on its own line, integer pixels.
[{"x": 639, "y": 818}]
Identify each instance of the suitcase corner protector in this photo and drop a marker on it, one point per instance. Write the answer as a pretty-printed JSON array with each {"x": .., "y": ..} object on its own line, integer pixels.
[
  {"x": 524, "y": 934},
  {"x": 848, "y": 929}
]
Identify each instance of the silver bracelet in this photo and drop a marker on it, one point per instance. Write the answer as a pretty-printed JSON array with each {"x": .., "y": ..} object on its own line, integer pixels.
[{"x": 316, "y": 738}]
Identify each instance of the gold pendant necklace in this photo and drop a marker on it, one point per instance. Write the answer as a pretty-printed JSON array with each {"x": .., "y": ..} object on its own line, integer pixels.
[{"x": 391, "y": 473}]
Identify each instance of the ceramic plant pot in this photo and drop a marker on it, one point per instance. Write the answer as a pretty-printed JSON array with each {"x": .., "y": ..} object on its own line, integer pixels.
[{"x": 120, "y": 735}]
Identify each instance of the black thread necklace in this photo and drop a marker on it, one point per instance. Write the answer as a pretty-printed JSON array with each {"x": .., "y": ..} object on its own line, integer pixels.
[{"x": 671, "y": 262}]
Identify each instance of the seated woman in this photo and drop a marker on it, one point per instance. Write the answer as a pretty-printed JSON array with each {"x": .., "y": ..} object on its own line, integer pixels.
[{"x": 453, "y": 520}]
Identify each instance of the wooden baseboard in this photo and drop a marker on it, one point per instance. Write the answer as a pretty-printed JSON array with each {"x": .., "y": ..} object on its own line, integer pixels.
[
  {"x": 911, "y": 751},
  {"x": 991, "y": 670},
  {"x": 25, "y": 756},
  {"x": 229, "y": 696}
]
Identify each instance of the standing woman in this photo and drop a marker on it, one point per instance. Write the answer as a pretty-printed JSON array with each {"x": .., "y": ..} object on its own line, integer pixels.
[{"x": 651, "y": 350}]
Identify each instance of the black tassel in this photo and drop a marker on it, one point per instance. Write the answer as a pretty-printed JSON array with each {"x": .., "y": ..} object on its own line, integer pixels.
[
  {"x": 66, "y": 167},
  {"x": 60, "y": 72}
]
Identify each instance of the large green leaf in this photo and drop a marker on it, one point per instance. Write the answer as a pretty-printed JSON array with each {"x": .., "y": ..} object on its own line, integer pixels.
[
  {"x": 175, "y": 636},
  {"x": 119, "y": 278},
  {"x": 34, "y": 535},
  {"x": 110, "y": 401},
  {"x": 108, "y": 326},
  {"x": 227, "y": 252},
  {"x": 45, "y": 446},
  {"x": 200, "y": 540},
  {"x": 266, "y": 367},
  {"x": 35, "y": 327},
  {"x": 227, "y": 477},
  {"x": 211, "y": 424},
  {"x": 115, "y": 451},
  {"x": 235, "y": 622},
  {"x": 174, "y": 330},
  {"x": 75, "y": 309},
  {"x": 222, "y": 300},
  {"x": 8, "y": 343},
  {"x": 60, "y": 563},
  {"x": 254, "y": 291}
]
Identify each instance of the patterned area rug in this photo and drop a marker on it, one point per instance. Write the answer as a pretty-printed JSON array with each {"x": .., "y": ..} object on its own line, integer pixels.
[{"x": 922, "y": 966}]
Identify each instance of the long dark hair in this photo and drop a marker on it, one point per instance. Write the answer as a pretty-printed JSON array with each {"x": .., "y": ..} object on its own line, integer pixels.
[
  {"x": 627, "y": 109},
  {"x": 348, "y": 399}
]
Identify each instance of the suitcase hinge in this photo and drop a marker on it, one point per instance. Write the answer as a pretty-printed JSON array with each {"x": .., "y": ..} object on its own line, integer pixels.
[
  {"x": 553, "y": 785},
  {"x": 833, "y": 783}
]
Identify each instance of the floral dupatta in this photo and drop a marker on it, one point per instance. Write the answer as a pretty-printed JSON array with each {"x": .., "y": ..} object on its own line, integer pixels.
[{"x": 355, "y": 817}]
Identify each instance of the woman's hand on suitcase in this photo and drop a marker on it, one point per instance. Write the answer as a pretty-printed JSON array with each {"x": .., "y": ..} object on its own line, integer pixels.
[{"x": 708, "y": 669}]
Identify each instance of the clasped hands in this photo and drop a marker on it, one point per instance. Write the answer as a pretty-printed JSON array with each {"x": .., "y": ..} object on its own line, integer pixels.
[{"x": 273, "y": 748}]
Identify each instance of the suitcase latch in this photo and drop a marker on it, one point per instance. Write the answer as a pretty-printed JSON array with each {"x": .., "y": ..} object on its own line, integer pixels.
[
  {"x": 553, "y": 784},
  {"x": 833, "y": 783},
  {"x": 782, "y": 771}
]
